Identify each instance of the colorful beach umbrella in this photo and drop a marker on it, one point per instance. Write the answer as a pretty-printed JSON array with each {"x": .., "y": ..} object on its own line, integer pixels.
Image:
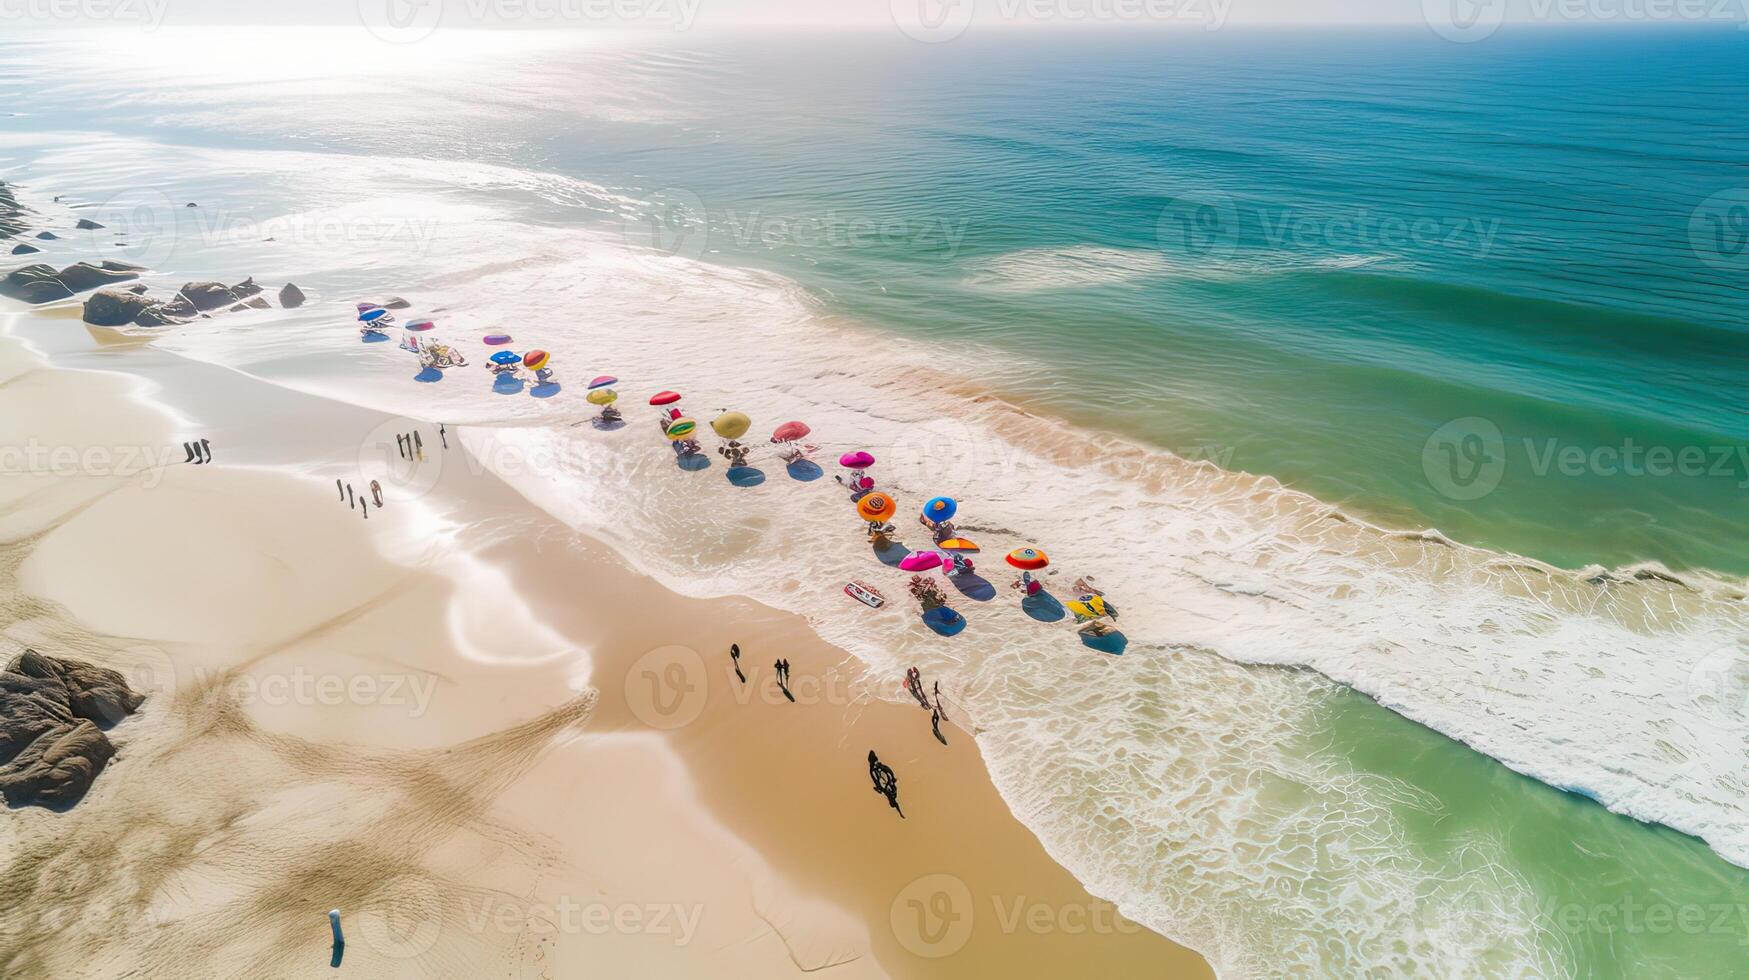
[
  {"x": 601, "y": 396},
  {"x": 495, "y": 339},
  {"x": 940, "y": 508},
  {"x": 368, "y": 306},
  {"x": 372, "y": 315},
  {"x": 965, "y": 545},
  {"x": 732, "y": 425},
  {"x": 920, "y": 561},
  {"x": 665, "y": 398},
  {"x": 605, "y": 381},
  {"x": 420, "y": 326},
  {"x": 534, "y": 360},
  {"x": 856, "y": 460},
  {"x": 1030, "y": 559},
  {"x": 876, "y": 507},
  {"x": 790, "y": 432},
  {"x": 505, "y": 357},
  {"x": 681, "y": 428}
]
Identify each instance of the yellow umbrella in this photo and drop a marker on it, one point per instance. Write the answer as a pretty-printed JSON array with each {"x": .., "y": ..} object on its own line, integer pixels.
[
  {"x": 601, "y": 396},
  {"x": 731, "y": 425}
]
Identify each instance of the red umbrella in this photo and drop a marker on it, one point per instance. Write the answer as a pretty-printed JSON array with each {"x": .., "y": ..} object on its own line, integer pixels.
[
  {"x": 790, "y": 432},
  {"x": 1030, "y": 559},
  {"x": 665, "y": 398}
]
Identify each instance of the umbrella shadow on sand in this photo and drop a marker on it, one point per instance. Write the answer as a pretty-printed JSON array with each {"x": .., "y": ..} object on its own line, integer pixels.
[
  {"x": 430, "y": 375},
  {"x": 1044, "y": 607},
  {"x": 693, "y": 462},
  {"x": 1113, "y": 642},
  {"x": 944, "y": 621},
  {"x": 606, "y": 426},
  {"x": 746, "y": 476},
  {"x": 892, "y": 554},
  {"x": 507, "y": 384},
  {"x": 973, "y": 586},
  {"x": 373, "y": 338},
  {"x": 547, "y": 390},
  {"x": 805, "y": 471}
]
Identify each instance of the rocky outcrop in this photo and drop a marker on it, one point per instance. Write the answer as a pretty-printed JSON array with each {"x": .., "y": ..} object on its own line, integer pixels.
[
  {"x": 111, "y": 308},
  {"x": 86, "y": 224},
  {"x": 115, "y": 307},
  {"x": 53, "y": 714},
  {"x": 24, "y": 248},
  {"x": 291, "y": 297},
  {"x": 47, "y": 236},
  {"x": 42, "y": 284}
]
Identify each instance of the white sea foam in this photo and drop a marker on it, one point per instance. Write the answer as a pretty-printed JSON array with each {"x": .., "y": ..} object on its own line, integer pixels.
[{"x": 1176, "y": 780}]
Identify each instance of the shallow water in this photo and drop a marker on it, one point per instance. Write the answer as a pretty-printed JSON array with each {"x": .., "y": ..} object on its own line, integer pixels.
[{"x": 882, "y": 253}]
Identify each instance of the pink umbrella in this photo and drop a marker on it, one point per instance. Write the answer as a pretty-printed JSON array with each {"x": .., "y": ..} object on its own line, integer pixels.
[
  {"x": 420, "y": 326},
  {"x": 790, "y": 432},
  {"x": 495, "y": 339},
  {"x": 920, "y": 561},
  {"x": 856, "y": 460}
]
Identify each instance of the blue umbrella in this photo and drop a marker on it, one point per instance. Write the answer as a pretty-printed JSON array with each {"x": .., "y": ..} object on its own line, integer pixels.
[
  {"x": 940, "y": 508},
  {"x": 372, "y": 316},
  {"x": 506, "y": 357}
]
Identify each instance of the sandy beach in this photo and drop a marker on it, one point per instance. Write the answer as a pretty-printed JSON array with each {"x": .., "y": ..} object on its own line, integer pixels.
[{"x": 493, "y": 746}]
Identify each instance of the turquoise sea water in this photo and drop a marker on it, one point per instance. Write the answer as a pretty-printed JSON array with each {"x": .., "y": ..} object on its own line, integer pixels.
[{"x": 1409, "y": 277}]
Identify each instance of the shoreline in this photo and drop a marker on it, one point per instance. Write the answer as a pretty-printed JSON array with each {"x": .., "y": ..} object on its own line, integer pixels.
[{"x": 821, "y": 895}]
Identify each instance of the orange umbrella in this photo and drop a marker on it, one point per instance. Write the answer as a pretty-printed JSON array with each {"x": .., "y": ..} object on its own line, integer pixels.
[{"x": 876, "y": 507}]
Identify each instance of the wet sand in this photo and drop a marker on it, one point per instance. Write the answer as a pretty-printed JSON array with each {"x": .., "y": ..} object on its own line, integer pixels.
[{"x": 494, "y": 747}]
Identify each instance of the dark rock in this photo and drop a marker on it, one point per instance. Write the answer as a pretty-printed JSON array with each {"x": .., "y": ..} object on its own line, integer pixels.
[
  {"x": 86, "y": 224},
  {"x": 83, "y": 275},
  {"x": 58, "y": 768},
  {"x": 24, "y": 248},
  {"x": 291, "y": 297},
  {"x": 245, "y": 289},
  {"x": 34, "y": 284},
  {"x": 259, "y": 303},
  {"x": 47, "y": 236},
  {"x": 203, "y": 296},
  {"x": 138, "y": 288},
  {"x": 191, "y": 204},
  {"x": 162, "y": 316},
  {"x": 116, "y": 307},
  {"x": 52, "y": 716}
]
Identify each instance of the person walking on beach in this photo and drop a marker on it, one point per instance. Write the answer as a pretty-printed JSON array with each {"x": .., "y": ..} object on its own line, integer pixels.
[
  {"x": 938, "y": 708},
  {"x": 401, "y": 444},
  {"x": 914, "y": 685},
  {"x": 443, "y": 435},
  {"x": 735, "y": 655},
  {"x": 350, "y": 504},
  {"x": 418, "y": 444},
  {"x": 340, "y": 487},
  {"x": 207, "y": 449},
  {"x": 885, "y": 783},
  {"x": 782, "y": 668},
  {"x": 935, "y": 724}
]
